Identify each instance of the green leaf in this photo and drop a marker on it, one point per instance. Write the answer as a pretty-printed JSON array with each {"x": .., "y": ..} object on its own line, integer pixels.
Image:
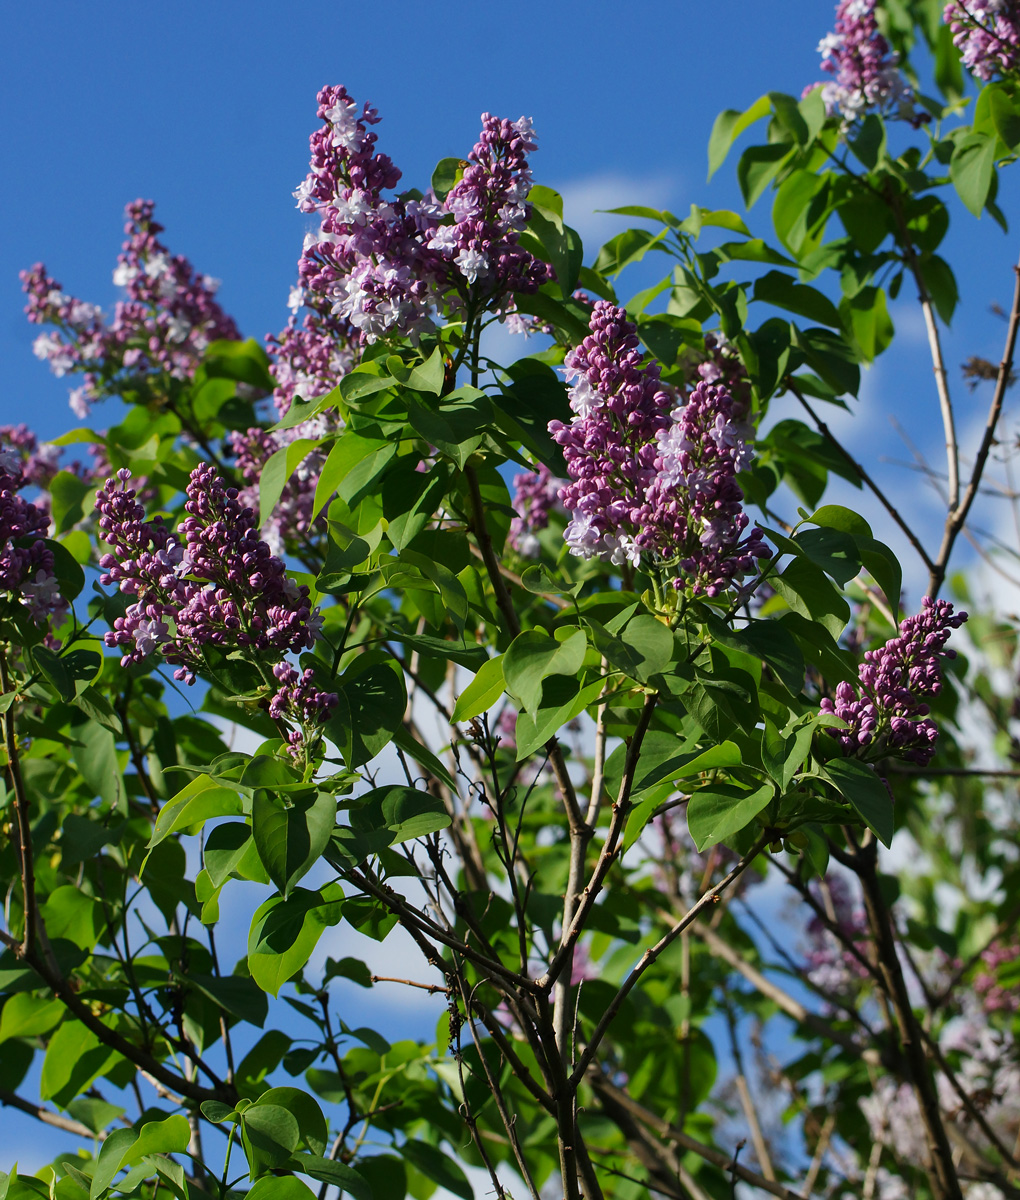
[
  {"x": 272, "y": 1133},
  {"x": 169, "y": 1136},
  {"x": 246, "y": 361},
  {"x": 272, "y": 1187},
  {"x": 404, "y": 811},
  {"x": 641, "y": 647},
  {"x": 372, "y": 693},
  {"x": 866, "y": 793},
  {"x": 111, "y": 1159},
  {"x": 278, "y": 470},
  {"x": 70, "y": 673},
  {"x": 533, "y": 656},
  {"x": 202, "y": 799},
  {"x": 829, "y": 354},
  {"x": 563, "y": 699},
  {"x": 446, "y": 174},
  {"x": 312, "y": 1126},
  {"x": 782, "y": 290},
  {"x": 67, "y": 493},
  {"x": 627, "y": 248},
  {"x": 758, "y": 166},
  {"x": 715, "y": 814},
  {"x": 72, "y": 914},
  {"x": 284, "y": 932},
  {"x": 866, "y": 315},
  {"x": 26, "y": 1016},
  {"x": 438, "y": 1167},
  {"x": 729, "y": 125},
  {"x": 806, "y": 589},
  {"x": 971, "y": 169},
  {"x": 326, "y": 1170},
  {"x": 291, "y": 832},
  {"x": 482, "y": 692},
  {"x": 74, "y": 1057},
  {"x": 348, "y": 452},
  {"x": 70, "y": 576}
]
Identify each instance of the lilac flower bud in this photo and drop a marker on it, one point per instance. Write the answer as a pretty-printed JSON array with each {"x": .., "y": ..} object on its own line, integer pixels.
[{"x": 887, "y": 711}]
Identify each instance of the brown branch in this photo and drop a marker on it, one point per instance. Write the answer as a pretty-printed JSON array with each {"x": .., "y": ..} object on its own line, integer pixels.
[
  {"x": 12, "y": 1100},
  {"x": 653, "y": 952},
  {"x": 945, "y": 1182},
  {"x": 725, "y": 1162},
  {"x": 959, "y": 509}
]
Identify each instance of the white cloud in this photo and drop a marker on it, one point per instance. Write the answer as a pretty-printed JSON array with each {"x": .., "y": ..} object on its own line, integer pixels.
[{"x": 583, "y": 198}]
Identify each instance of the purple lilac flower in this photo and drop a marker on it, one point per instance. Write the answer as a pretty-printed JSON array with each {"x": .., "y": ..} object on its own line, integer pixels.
[
  {"x": 299, "y": 700},
  {"x": 610, "y": 445},
  {"x": 866, "y": 75},
  {"x": 697, "y": 506},
  {"x": 26, "y": 563},
  {"x": 369, "y": 258},
  {"x": 987, "y": 34},
  {"x": 535, "y": 495},
  {"x": 490, "y": 211},
  {"x": 162, "y": 327},
  {"x": 37, "y": 462},
  {"x": 722, "y": 366},
  {"x": 647, "y": 480},
  {"x": 886, "y": 711},
  {"x": 384, "y": 264},
  {"x": 830, "y": 965},
  {"x": 213, "y": 582}
]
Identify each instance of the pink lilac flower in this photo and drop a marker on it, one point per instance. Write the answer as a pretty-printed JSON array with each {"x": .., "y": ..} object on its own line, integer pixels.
[
  {"x": 987, "y": 34},
  {"x": 535, "y": 495},
  {"x": 213, "y": 582},
  {"x": 866, "y": 75},
  {"x": 159, "y": 331},
  {"x": 610, "y": 447},
  {"x": 27, "y": 573},
  {"x": 886, "y": 712},
  {"x": 697, "y": 505}
]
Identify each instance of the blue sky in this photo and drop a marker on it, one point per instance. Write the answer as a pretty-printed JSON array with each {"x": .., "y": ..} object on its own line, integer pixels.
[{"x": 206, "y": 108}]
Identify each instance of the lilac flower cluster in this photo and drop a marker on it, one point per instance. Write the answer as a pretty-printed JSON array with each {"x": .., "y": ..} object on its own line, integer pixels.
[
  {"x": 865, "y": 73},
  {"x": 987, "y": 34},
  {"x": 27, "y": 573},
  {"x": 385, "y": 264},
  {"x": 722, "y": 366},
  {"x": 994, "y": 996},
  {"x": 647, "y": 479},
  {"x": 886, "y": 712},
  {"x": 490, "y": 212},
  {"x": 610, "y": 445},
  {"x": 697, "y": 503},
  {"x": 37, "y": 462},
  {"x": 169, "y": 316},
  {"x": 535, "y": 496},
  {"x": 299, "y": 700},
  {"x": 212, "y": 583},
  {"x": 831, "y": 967}
]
